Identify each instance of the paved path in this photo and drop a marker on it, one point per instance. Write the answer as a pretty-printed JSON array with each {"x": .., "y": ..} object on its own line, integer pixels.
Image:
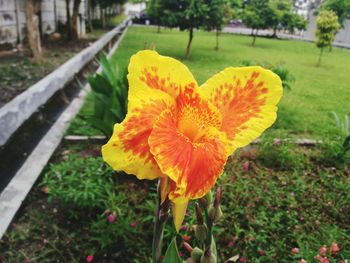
[{"x": 306, "y": 36}]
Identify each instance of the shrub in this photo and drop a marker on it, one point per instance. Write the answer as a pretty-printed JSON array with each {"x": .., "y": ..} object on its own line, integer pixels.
[
  {"x": 280, "y": 154},
  {"x": 335, "y": 149},
  {"x": 84, "y": 183},
  {"x": 110, "y": 93},
  {"x": 279, "y": 69}
]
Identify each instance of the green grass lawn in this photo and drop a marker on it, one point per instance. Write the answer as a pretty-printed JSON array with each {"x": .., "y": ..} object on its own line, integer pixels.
[{"x": 304, "y": 110}]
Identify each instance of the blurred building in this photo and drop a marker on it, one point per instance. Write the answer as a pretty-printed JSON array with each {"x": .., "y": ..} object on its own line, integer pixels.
[{"x": 51, "y": 16}]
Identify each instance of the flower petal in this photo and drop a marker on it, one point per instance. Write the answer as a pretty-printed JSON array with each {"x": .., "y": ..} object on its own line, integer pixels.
[
  {"x": 179, "y": 211},
  {"x": 192, "y": 162},
  {"x": 247, "y": 99},
  {"x": 149, "y": 70},
  {"x": 128, "y": 148}
]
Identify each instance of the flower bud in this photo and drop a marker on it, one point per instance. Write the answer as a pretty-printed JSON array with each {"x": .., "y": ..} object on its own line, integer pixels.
[
  {"x": 218, "y": 195},
  {"x": 196, "y": 254},
  {"x": 334, "y": 248},
  {"x": 201, "y": 232},
  {"x": 295, "y": 250},
  {"x": 208, "y": 257},
  {"x": 323, "y": 251},
  {"x": 302, "y": 261},
  {"x": 215, "y": 213},
  {"x": 209, "y": 197},
  {"x": 199, "y": 215},
  {"x": 187, "y": 247}
]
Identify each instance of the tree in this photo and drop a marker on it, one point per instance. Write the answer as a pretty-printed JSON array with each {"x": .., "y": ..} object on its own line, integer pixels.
[
  {"x": 219, "y": 14},
  {"x": 279, "y": 9},
  {"x": 291, "y": 21},
  {"x": 340, "y": 7},
  {"x": 185, "y": 14},
  {"x": 74, "y": 19},
  {"x": 155, "y": 11},
  {"x": 33, "y": 32},
  {"x": 257, "y": 15},
  {"x": 327, "y": 27}
]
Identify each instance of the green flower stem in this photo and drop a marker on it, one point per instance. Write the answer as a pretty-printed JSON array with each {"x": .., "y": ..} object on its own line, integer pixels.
[
  {"x": 161, "y": 217},
  {"x": 209, "y": 224}
]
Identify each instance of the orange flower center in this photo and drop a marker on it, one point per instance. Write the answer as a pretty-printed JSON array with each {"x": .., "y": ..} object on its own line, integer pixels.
[{"x": 192, "y": 129}]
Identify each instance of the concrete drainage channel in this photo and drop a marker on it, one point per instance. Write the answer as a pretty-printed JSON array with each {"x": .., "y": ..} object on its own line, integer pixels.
[{"x": 33, "y": 124}]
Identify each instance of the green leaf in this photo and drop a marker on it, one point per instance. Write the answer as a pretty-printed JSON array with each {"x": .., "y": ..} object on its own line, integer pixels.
[
  {"x": 100, "y": 84},
  {"x": 172, "y": 253}
]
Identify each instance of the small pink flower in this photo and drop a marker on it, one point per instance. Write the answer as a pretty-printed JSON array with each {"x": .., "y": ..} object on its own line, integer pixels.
[
  {"x": 181, "y": 254},
  {"x": 89, "y": 258},
  {"x": 243, "y": 259},
  {"x": 334, "y": 248},
  {"x": 27, "y": 260},
  {"x": 321, "y": 259},
  {"x": 133, "y": 224},
  {"x": 186, "y": 238},
  {"x": 111, "y": 218},
  {"x": 245, "y": 167},
  {"x": 277, "y": 141},
  {"x": 302, "y": 261},
  {"x": 262, "y": 252},
  {"x": 230, "y": 244},
  {"x": 295, "y": 250},
  {"x": 184, "y": 227},
  {"x": 323, "y": 251}
]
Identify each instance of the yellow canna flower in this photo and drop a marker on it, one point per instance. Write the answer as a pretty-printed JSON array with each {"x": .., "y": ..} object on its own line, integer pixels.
[{"x": 182, "y": 133}]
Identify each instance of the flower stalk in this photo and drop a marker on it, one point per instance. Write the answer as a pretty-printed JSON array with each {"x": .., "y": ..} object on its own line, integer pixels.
[{"x": 161, "y": 217}]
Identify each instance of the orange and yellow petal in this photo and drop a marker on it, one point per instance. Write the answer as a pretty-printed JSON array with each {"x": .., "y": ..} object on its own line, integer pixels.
[
  {"x": 193, "y": 166},
  {"x": 128, "y": 148},
  {"x": 179, "y": 211},
  {"x": 247, "y": 99},
  {"x": 149, "y": 70}
]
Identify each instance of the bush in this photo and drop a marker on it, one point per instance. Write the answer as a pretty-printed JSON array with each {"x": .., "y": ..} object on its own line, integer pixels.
[
  {"x": 280, "y": 154},
  {"x": 279, "y": 69},
  {"x": 83, "y": 182},
  {"x": 110, "y": 93}
]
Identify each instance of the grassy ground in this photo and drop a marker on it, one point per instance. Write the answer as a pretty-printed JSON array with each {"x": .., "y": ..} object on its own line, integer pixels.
[
  {"x": 316, "y": 92},
  {"x": 276, "y": 196},
  {"x": 281, "y": 200},
  {"x": 18, "y": 72}
]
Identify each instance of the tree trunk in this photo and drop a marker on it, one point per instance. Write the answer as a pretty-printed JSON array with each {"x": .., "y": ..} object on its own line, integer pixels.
[
  {"x": 217, "y": 40},
  {"x": 254, "y": 38},
  {"x": 74, "y": 20},
  {"x": 274, "y": 35},
  {"x": 320, "y": 57},
  {"x": 90, "y": 12},
  {"x": 68, "y": 23},
  {"x": 33, "y": 31},
  {"x": 103, "y": 17},
  {"x": 188, "y": 48},
  {"x": 158, "y": 28}
]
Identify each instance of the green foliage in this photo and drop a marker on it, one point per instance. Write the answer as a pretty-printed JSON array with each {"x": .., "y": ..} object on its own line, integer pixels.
[
  {"x": 285, "y": 75},
  {"x": 335, "y": 151},
  {"x": 280, "y": 155},
  {"x": 186, "y": 15},
  {"x": 257, "y": 15},
  {"x": 172, "y": 253},
  {"x": 327, "y": 27},
  {"x": 287, "y": 209},
  {"x": 340, "y": 7},
  {"x": 110, "y": 92},
  {"x": 218, "y": 15},
  {"x": 155, "y": 10},
  {"x": 80, "y": 182}
]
